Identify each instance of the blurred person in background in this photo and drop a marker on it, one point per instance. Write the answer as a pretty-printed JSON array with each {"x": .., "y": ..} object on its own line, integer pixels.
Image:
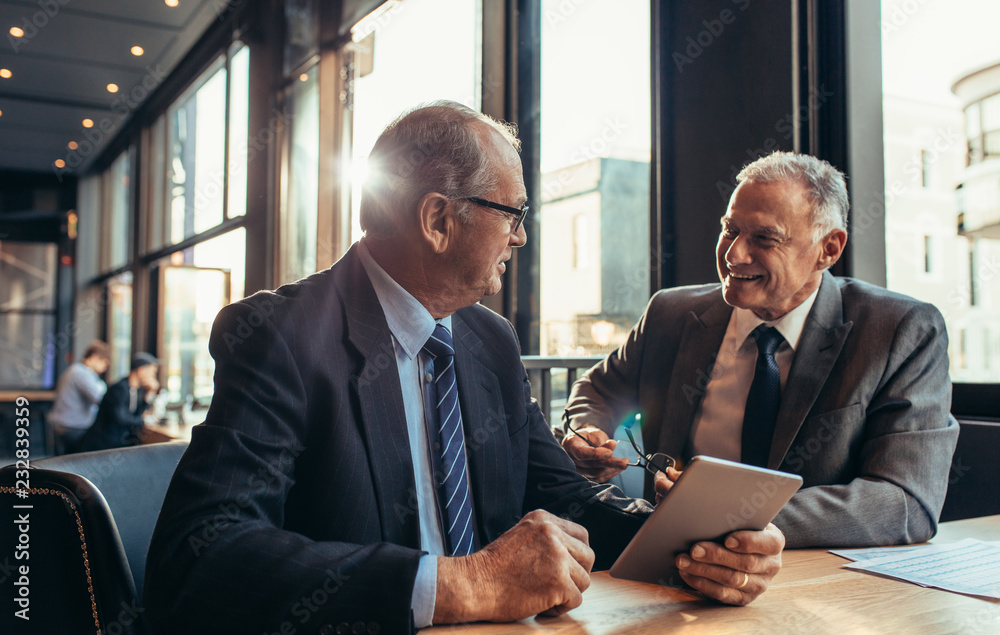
[
  {"x": 78, "y": 394},
  {"x": 119, "y": 418}
]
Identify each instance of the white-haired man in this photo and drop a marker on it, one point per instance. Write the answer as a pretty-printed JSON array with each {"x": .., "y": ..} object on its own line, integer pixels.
[
  {"x": 372, "y": 460},
  {"x": 787, "y": 367}
]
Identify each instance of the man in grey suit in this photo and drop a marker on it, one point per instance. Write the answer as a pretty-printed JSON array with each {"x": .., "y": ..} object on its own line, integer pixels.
[
  {"x": 372, "y": 460},
  {"x": 855, "y": 383}
]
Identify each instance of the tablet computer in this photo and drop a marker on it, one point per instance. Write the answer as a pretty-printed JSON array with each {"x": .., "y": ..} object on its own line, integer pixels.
[{"x": 711, "y": 499}]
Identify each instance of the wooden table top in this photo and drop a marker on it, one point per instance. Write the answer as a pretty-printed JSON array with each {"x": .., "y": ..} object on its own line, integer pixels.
[{"x": 812, "y": 594}]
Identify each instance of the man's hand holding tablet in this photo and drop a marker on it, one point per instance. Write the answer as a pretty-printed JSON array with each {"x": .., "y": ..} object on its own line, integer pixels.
[
  {"x": 696, "y": 533},
  {"x": 738, "y": 570}
]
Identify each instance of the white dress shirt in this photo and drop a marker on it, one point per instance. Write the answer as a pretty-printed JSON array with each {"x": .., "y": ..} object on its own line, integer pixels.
[
  {"x": 411, "y": 325},
  {"x": 718, "y": 422}
]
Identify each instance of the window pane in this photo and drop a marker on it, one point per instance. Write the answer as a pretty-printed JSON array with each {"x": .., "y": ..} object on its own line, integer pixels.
[
  {"x": 120, "y": 324},
  {"x": 940, "y": 96},
  {"x": 28, "y": 357},
  {"x": 117, "y": 218},
  {"x": 88, "y": 228},
  {"x": 196, "y": 171},
  {"x": 196, "y": 285},
  {"x": 28, "y": 275},
  {"x": 297, "y": 253},
  {"x": 595, "y": 173},
  {"x": 192, "y": 296},
  {"x": 410, "y": 52},
  {"x": 227, "y": 252},
  {"x": 155, "y": 171},
  {"x": 239, "y": 124}
]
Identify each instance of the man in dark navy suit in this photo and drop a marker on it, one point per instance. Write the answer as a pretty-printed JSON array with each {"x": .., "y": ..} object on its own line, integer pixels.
[{"x": 372, "y": 459}]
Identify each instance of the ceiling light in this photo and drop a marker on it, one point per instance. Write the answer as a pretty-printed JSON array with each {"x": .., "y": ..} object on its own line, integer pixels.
[
  {"x": 5, "y": 73},
  {"x": 137, "y": 51},
  {"x": 303, "y": 77},
  {"x": 1, "y": 113},
  {"x": 88, "y": 123},
  {"x": 17, "y": 31},
  {"x": 72, "y": 145},
  {"x": 112, "y": 88},
  {"x": 170, "y": 3},
  {"x": 60, "y": 163}
]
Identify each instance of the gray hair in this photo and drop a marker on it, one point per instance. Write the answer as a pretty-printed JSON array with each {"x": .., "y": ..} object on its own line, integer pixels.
[
  {"x": 437, "y": 147},
  {"x": 824, "y": 185}
]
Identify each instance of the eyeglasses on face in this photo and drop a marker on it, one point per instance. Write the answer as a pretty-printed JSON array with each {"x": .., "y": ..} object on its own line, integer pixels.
[
  {"x": 653, "y": 463},
  {"x": 517, "y": 212}
]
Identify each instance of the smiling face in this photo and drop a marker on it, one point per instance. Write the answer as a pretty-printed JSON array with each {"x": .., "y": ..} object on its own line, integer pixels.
[{"x": 767, "y": 259}]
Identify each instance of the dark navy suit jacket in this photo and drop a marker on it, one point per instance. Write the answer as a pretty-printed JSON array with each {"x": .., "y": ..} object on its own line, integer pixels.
[
  {"x": 295, "y": 504},
  {"x": 118, "y": 424}
]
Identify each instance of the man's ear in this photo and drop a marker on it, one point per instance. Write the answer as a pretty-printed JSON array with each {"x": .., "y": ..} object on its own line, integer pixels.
[
  {"x": 833, "y": 246},
  {"x": 436, "y": 220}
]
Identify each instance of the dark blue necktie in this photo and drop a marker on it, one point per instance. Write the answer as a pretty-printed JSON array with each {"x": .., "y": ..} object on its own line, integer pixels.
[
  {"x": 764, "y": 398},
  {"x": 453, "y": 485}
]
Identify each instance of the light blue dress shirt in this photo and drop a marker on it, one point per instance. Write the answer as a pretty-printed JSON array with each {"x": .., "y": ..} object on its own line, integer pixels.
[{"x": 411, "y": 324}]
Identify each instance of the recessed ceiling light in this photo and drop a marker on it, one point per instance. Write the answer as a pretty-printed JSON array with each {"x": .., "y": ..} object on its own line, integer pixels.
[
  {"x": 72, "y": 145},
  {"x": 60, "y": 163},
  {"x": 1, "y": 113},
  {"x": 17, "y": 31},
  {"x": 170, "y": 3},
  {"x": 112, "y": 88},
  {"x": 137, "y": 51},
  {"x": 5, "y": 73},
  {"x": 303, "y": 77},
  {"x": 88, "y": 123}
]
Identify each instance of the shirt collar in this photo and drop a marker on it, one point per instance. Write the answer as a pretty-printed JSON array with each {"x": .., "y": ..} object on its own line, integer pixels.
[
  {"x": 409, "y": 321},
  {"x": 790, "y": 325}
]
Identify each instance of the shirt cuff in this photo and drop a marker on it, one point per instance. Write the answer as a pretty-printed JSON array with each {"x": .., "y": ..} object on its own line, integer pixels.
[{"x": 424, "y": 591}]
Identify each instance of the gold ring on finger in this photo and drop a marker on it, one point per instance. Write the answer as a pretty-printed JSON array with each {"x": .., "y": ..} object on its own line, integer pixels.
[{"x": 746, "y": 578}]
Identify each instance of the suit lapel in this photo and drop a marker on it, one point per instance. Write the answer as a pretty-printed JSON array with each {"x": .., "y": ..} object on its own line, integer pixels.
[
  {"x": 823, "y": 337},
  {"x": 383, "y": 416},
  {"x": 484, "y": 424},
  {"x": 699, "y": 345}
]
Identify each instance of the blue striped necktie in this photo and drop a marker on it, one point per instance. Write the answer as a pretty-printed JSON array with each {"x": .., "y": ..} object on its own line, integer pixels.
[
  {"x": 764, "y": 398},
  {"x": 452, "y": 481}
]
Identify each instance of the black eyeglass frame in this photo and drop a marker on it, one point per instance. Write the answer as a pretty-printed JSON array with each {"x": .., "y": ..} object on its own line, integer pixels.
[
  {"x": 653, "y": 463},
  {"x": 656, "y": 462},
  {"x": 518, "y": 212}
]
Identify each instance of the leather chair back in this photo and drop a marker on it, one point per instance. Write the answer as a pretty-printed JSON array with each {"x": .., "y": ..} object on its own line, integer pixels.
[{"x": 89, "y": 525}]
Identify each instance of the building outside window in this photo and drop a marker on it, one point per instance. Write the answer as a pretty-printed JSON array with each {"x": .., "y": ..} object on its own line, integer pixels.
[
  {"x": 941, "y": 102},
  {"x": 595, "y": 155}
]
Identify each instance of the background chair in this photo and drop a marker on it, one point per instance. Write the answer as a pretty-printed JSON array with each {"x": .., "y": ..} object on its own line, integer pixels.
[
  {"x": 88, "y": 528},
  {"x": 974, "y": 482}
]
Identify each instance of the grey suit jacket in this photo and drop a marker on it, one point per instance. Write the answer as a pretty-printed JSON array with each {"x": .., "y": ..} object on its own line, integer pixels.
[
  {"x": 294, "y": 507},
  {"x": 864, "y": 415}
]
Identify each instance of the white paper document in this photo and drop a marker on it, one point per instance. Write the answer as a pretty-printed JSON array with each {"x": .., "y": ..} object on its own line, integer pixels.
[{"x": 971, "y": 566}]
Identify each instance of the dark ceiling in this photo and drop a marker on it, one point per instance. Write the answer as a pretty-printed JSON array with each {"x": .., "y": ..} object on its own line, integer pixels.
[{"x": 61, "y": 66}]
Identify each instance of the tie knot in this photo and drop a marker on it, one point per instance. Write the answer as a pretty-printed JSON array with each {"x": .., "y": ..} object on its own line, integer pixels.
[
  {"x": 439, "y": 344},
  {"x": 768, "y": 339}
]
